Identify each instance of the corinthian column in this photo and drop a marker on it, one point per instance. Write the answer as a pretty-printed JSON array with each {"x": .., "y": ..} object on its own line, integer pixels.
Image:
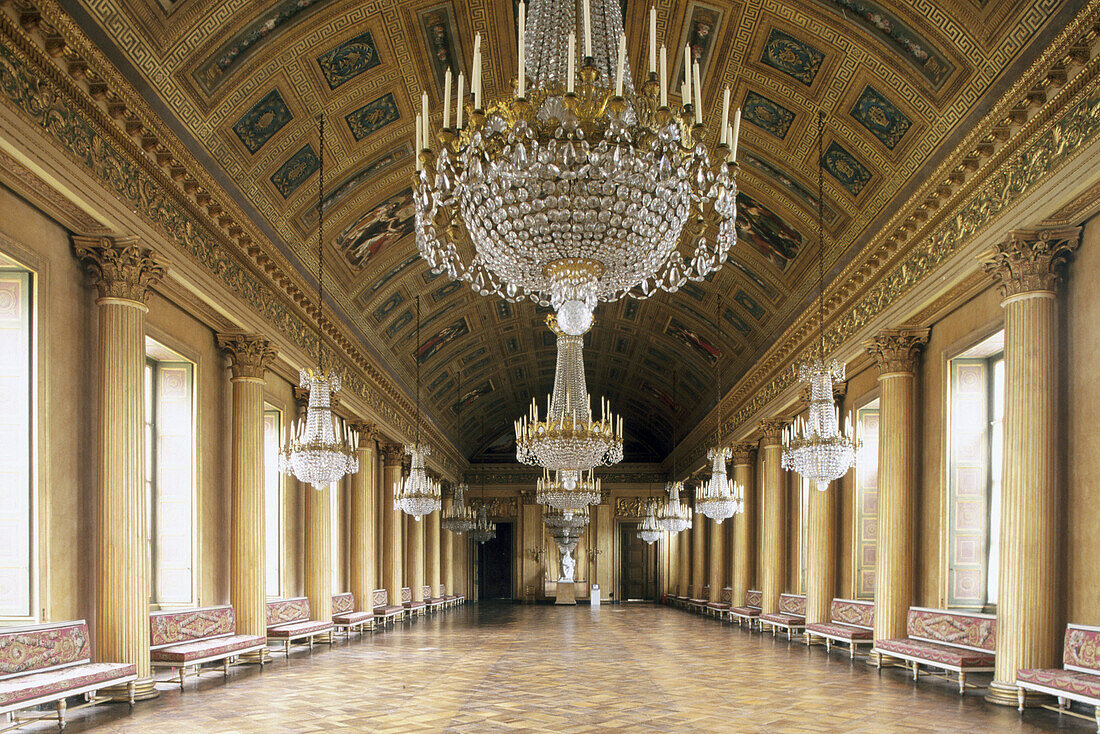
[
  {"x": 773, "y": 546},
  {"x": 431, "y": 552},
  {"x": 318, "y": 550},
  {"x": 897, "y": 354},
  {"x": 249, "y": 357},
  {"x": 744, "y": 463},
  {"x": 364, "y": 485},
  {"x": 821, "y": 555},
  {"x": 123, "y": 271},
  {"x": 392, "y": 559},
  {"x": 1027, "y": 267},
  {"x": 684, "y": 538},
  {"x": 414, "y": 554},
  {"x": 447, "y": 554},
  {"x": 717, "y": 533},
  {"x": 698, "y": 556}
]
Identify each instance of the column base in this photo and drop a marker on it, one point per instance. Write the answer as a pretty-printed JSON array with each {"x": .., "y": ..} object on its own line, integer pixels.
[
  {"x": 878, "y": 660},
  {"x": 257, "y": 657},
  {"x": 1007, "y": 694},
  {"x": 145, "y": 689}
]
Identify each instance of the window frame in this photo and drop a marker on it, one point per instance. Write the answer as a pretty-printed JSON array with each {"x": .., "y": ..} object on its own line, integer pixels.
[
  {"x": 270, "y": 408},
  {"x": 869, "y": 403}
]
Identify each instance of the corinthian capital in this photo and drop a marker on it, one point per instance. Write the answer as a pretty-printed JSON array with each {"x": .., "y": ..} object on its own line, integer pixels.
[
  {"x": 392, "y": 453},
  {"x": 772, "y": 429},
  {"x": 368, "y": 433},
  {"x": 1031, "y": 261},
  {"x": 743, "y": 453},
  {"x": 249, "y": 354},
  {"x": 120, "y": 266},
  {"x": 897, "y": 350}
]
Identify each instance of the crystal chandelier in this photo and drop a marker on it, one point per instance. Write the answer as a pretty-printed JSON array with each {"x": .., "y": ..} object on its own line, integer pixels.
[
  {"x": 458, "y": 518},
  {"x": 566, "y": 538},
  {"x": 570, "y": 440},
  {"x": 820, "y": 448},
  {"x": 417, "y": 495},
  {"x": 573, "y": 191},
  {"x": 568, "y": 499},
  {"x": 484, "y": 529},
  {"x": 673, "y": 515},
  {"x": 555, "y": 519},
  {"x": 714, "y": 498},
  {"x": 319, "y": 449},
  {"x": 649, "y": 531}
]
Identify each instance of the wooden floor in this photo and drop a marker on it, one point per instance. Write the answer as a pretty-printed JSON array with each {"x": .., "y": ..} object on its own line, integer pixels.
[{"x": 493, "y": 668}]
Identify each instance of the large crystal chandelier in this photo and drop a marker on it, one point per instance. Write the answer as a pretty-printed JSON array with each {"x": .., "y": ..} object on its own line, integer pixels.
[
  {"x": 574, "y": 188},
  {"x": 649, "y": 531},
  {"x": 418, "y": 495},
  {"x": 319, "y": 448},
  {"x": 484, "y": 529},
  {"x": 673, "y": 515},
  {"x": 715, "y": 497},
  {"x": 820, "y": 448},
  {"x": 568, "y": 499},
  {"x": 570, "y": 440},
  {"x": 555, "y": 519},
  {"x": 458, "y": 518}
]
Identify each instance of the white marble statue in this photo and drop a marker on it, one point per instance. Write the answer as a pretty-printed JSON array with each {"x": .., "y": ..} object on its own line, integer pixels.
[{"x": 567, "y": 566}]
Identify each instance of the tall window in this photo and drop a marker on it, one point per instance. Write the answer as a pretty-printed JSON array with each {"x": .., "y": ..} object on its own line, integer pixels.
[
  {"x": 169, "y": 474},
  {"x": 273, "y": 497},
  {"x": 866, "y": 499},
  {"x": 17, "y": 572},
  {"x": 803, "y": 528},
  {"x": 974, "y": 481},
  {"x": 335, "y": 535}
]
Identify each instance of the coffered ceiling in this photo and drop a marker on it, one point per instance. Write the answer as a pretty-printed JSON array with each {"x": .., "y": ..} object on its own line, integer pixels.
[{"x": 241, "y": 82}]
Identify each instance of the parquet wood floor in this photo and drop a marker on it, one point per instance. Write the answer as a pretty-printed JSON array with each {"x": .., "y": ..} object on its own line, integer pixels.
[{"x": 503, "y": 668}]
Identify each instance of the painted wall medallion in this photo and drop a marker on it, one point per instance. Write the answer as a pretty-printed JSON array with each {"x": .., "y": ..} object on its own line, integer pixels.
[
  {"x": 885, "y": 121},
  {"x": 767, "y": 115},
  {"x": 373, "y": 116},
  {"x": 766, "y": 232},
  {"x": 398, "y": 324},
  {"x": 791, "y": 56},
  {"x": 735, "y": 321},
  {"x": 383, "y": 225},
  {"x": 296, "y": 171},
  {"x": 788, "y": 182},
  {"x": 348, "y": 60},
  {"x": 267, "y": 117},
  {"x": 843, "y": 166},
  {"x": 443, "y": 291},
  {"x": 471, "y": 396}
]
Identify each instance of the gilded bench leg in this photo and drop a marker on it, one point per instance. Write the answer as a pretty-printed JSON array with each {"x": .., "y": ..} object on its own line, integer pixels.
[
  {"x": 61, "y": 714},
  {"x": 286, "y": 648},
  {"x": 1098, "y": 718},
  {"x": 962, "y": 683},
  {"x": 131, "y": 688},
  {"x": 183, "y": 675},
  {"x": 1021, "y": 698},
  {"x": 851, "y": 651},
  {"x": 225, "y": 668},
  {"x": 916, "y": 670}
]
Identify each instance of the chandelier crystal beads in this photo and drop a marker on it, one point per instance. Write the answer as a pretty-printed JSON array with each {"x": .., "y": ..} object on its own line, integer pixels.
[
  {"x": 418, "y": 494},
  {"x": 568, "y": 498},
  {"x": 819, "y": 447},
  {"x": 574, "y": 519},
  {"x": 673, "y": 515},
  {"x": 484, "y": 529},
  {"x": 458, "y": 518},
  {"x": 649, "y": 531},
  {"x": 569, "y": 195},
  {"x": 714, "y": 498}
]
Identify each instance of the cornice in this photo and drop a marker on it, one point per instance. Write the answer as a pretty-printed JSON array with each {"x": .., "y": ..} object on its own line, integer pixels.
[
  {"x": 161, "y": 182},
  {"x": 1042, "y": 120}
]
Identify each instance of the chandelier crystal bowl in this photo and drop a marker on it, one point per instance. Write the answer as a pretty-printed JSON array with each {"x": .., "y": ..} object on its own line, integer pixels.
[
  {"x": 555, "y": 519},
  {"x": 673, "y": 515},
  {"x": 418, "y": 495},
  {"x": 715, "y": 497},
  {"x": 319, "y": 450},
  {"x": 649, "y": 532},
  {"x": 458, "y": 518},
  {"x": 568, "y": 498},
  {"x": 484, "y": 529},
  {"x": 819, "y": 447}
]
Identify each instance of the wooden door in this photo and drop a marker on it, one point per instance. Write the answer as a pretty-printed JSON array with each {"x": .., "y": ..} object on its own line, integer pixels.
[{"x": 637, "y": 565}]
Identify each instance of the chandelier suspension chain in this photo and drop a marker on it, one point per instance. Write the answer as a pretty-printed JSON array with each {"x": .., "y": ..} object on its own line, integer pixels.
[
  {"x": 321, "y": 243},
  {"x": 820, "y": 232}
]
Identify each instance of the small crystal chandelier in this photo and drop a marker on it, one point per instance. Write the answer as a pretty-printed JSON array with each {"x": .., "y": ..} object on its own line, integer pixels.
[
  {"x": 570, "y": 440},
  {"x": 673, "y": 515},
  {"x": 568, "y": 499},
  {"x": 572, "y": 193},
  {"x": 649, "y": 531},
  {"x": 458, "y": 518},
  {"x": 566, "y": 538},
  {"x": 418, "y": 495},
  {"x": 555, "y": 519},
  {"x": 821, "y": 449},
  {"x": 319, "y": 448},
  {"x": 484, "y": 529},
  {"x": 715, "y": 497}
]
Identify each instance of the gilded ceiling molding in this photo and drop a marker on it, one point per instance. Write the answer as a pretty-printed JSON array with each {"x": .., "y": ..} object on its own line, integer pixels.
[
  {"x": 120, "y": 267},
  {"x": 250, "y": 355},
  {"x": 104, "y": 126},
  {"x": 1031, "y": 261},
  {"x": 1065, "y": 120}
]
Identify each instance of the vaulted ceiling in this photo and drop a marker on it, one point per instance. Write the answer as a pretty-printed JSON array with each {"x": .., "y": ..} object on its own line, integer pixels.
[{"x": 241, "y": 82}]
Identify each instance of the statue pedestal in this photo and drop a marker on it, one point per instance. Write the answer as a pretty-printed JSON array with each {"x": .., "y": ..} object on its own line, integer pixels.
[{"x": 566, "y": 593}]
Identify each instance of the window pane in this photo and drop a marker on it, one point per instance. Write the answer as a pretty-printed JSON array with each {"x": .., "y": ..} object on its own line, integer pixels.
[
  {"x": 16, "y": 574},
  {"x": 272, "y": 499},
  {"x": 996, "y": 458},
  {"x": 866, "y": 532}
]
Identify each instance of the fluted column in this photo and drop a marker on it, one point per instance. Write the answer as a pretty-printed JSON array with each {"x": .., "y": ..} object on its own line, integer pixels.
[
  {"x": 717, "y": 534},
  {"x": 821, "y": 554},
  {"x": 673, "y": 545},
  {"x": 392, "y": 556},
  {"x": 123, "y": 271},
  {"x": 773, "y": 546},
  {"x": 318, "y": 550},
  {"x": 744, "y": 463},
  {"x": 364, "y": 485},
  {"x": 414, "y": 549},
  {"x": 249, "y": 357},
  {"x": 684, "y": 538},
  {"x": 698, "y": 556},
  {"x": 431, "y": 553},
  {"x": 897, "y": 354},
  {"x": 1027, "y": 266},
  {"x": 447, "y": 554}
]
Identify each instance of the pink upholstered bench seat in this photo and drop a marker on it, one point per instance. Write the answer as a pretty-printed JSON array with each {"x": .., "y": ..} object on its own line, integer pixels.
[
  {"x": 784, "y": 620},
  {"x": 957, "y": 657},
  {"x": 69, "y": 681},
  {"x": 298, "y": 629},
  {"x": 214, "y": 647},
  {"x": 414, "y": 604},
  {"x": 840, "y": 631},
  {"x": 746, "y": 611},
  {"x": 436, "y": 600},
  {"x": 718, "y": 605},
  {"x": 387, "y": 611},
  {"x": 352, "y": 617},
  {"x": 1063, "y": 681}
]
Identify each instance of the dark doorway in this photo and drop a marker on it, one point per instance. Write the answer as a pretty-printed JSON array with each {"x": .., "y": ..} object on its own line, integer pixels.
[
  {"x": 494, "y": 565},
  {"x": 637, "y": 565}
]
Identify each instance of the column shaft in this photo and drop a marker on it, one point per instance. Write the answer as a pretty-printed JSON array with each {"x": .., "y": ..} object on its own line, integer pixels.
[
  {"x": 247, "y": 592},
  {"x": 414, "y": 556},
  {"x": 447, "y": 555},
  {"x": 821, "y": 552},
  {"x": 392, "y": 556},
  {"x": 318, "y": 551},
  {"x": 684, "y": 538},
  {"x": 698, "y": 556},
  {"x": 431, "y": 552},
  {"x": 744, "y": 465},
  {"x": 717, "y": 560},
  {"x": 364, "y": 485},
  {"x": 773, "y": 545}
]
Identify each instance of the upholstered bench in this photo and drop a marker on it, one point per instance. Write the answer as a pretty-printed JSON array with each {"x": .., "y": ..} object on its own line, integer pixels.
[
  {"x": 1077, "y": 680},
  {"x": 288, "y": 621},
  {"x": 434, "y": 603},
  {"x": 791, "y": 615},
  {"x": 750, "y": 612},
  {"x": 414, "y": 608},
  {"x": 449, "y": 600},
  {"x": 46, "y": 664},
  {"x": 699, "y": 603},
  {"x": 345, "y": 618},
  {"x": 383, "y": 609},
  {"x": 715, "y": 608},
  {"x": 958, "y": 642},
  {"x": 681, "y": 600},
  {"x": 192, "y": 638},
  {"x": 851, "y": 622}
]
